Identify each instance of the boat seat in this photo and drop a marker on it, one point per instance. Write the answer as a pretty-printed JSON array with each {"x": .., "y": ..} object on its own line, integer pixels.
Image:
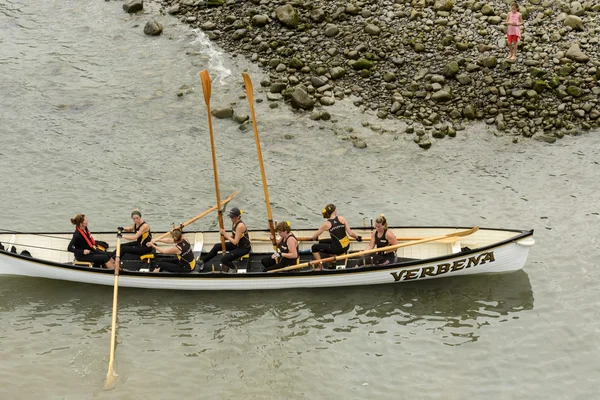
[
  {"x": 147, "y": 258},
  {"x": 243, "y": 263},
  {"x": 83, "y": 263}
]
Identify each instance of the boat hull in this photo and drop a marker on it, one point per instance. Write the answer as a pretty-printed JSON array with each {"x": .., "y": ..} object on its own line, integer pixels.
[{"x": 505, "y": 256}]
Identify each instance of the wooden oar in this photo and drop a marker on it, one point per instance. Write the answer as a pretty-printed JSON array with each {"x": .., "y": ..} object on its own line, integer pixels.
[
  {"x": 197, "y": 217},
  {"x": 111, "y": 376},
  {"x": 377, "y": 250},
  {"x": 250, "y": 96},
  {"x": 206, "y": 88},
  {"x": 364, "y": 239}
]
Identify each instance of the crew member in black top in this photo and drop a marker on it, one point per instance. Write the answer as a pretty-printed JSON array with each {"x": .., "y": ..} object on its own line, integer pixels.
[
  {"x": 237, "y": 243},
  {"x": 184, "y": 262},
  {"x": 287, "y": 249},
  {"x": 84, "y": 246},
  {"x": 339, "y": 230},
  {"x": 139, "y": 240},
  {"x": 382, "y": 237}
]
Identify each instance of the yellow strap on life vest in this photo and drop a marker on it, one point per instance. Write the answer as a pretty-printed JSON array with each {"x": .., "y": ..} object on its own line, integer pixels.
[{"x": 345, "y": 241}]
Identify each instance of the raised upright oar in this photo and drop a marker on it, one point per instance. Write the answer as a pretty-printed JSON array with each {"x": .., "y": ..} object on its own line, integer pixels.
[
  {"x": 111, "y": 375},
  {"x": 250, "y": 96},
  {"x": 206, "y": 88},
  {"x": 379, "y": 249}
]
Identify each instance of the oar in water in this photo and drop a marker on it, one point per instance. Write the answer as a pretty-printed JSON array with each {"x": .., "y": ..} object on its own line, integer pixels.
[
  {"x": 377, "y": 250},
  {"x": 250, "y": 96},
  {"x": 111, "y": 376},
  {"x": 206, "y": 88},
  {"x": 197, "y": 217}
]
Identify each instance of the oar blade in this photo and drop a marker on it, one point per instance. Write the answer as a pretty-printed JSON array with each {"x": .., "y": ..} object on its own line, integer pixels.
[
  {"x": 111, "y": 379},
  {"x": 206, "y": 86},
  {"x": 249, "y": 88}
]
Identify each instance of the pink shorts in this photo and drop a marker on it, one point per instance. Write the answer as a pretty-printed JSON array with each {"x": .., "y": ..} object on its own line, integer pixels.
[{"x": 513, "y": 39}]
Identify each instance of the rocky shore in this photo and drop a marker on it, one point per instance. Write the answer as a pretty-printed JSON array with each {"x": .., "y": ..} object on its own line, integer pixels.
[{"x": 435, "y": 64}]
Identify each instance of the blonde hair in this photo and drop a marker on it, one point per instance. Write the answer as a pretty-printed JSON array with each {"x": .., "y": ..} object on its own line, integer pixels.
[{"x": 381, "y": 220}]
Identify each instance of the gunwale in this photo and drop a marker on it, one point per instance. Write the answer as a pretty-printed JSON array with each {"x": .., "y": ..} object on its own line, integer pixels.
[{"x": 250, "y": 279}]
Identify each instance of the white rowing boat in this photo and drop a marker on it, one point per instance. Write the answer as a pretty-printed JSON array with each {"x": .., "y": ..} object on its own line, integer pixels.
[{"x": 482, "y": 252}]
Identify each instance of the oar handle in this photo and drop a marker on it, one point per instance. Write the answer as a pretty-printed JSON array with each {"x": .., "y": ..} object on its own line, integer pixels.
[{"x": 197, "y": 217}]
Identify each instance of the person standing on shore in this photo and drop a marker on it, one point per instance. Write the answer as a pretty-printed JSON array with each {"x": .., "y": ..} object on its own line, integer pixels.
[{"x": 514, "y": 20}]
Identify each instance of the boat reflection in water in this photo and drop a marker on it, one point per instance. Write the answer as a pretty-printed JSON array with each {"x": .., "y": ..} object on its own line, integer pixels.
[{"x": 452, "y": 311}]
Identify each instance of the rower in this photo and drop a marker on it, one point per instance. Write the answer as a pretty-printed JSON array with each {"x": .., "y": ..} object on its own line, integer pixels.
[
  {"x": 138, "y": 242},
  {"x": 382, "y": 237},
  {"x": 237, "y": 243},
  {"x": 339, "y": 230},
  {"x": 185, "y": 261},
  {"x": 287, "y": 249}
]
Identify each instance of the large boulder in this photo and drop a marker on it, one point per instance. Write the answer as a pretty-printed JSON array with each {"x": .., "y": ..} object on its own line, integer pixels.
[
  {"x": 574, "y": 22},
  {"x": 318, "y": 15},
  {"x": 331, "y": 30},
  {"x": 469, "y": 112},
  {"x": 575, "y": 8},
  {"x": 441, "y": 96},
  {"x": 260, "y": 20},
  {"x": 443, "y": 5},
  {"x": 337, "y": 72},
  {"x": 489, "y": 62},
  {"x": 574, "y": 91},
  {"x": 301, "y": 99},
  {"x": 451, "y": 69},
  {"x": 575, "y": 54},
  {"x": 132, "y": 6},
  {"x": 362, "y": 63},
  {"x": 224, "y": 112},
  {"x": 464, "y": 79},
  {"x": 287, "y": 15},
  {"x": 372, "y": 29},
  {"x": 487, "y": 9},
  {"x": 153, "y": 28}
]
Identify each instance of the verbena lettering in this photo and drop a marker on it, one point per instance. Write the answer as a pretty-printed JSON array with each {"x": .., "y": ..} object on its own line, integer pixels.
[{"x": 440, "y": 269}]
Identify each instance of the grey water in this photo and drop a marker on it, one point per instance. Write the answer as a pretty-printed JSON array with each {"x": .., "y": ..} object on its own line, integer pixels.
[{"x": 90, "y": 122}]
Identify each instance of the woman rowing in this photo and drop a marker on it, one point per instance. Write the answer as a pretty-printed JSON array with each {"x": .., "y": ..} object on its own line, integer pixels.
[
  {"x": 237, "y": 243},
  {"x": 84, "y": 246},
  {"x": 339, "y": 230},
  {"x": 382, "y": 238},
  {"x": 140, "y": 238},
  {"x": 287, "y": 249},
  {"x": 184, "y": 262}
]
